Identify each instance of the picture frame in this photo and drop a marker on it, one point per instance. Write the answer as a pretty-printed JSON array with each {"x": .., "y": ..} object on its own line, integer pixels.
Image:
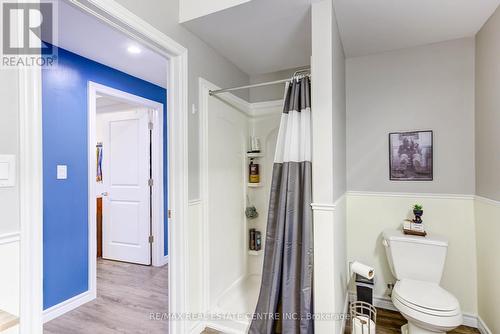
[{"x": 411, "y": 156}]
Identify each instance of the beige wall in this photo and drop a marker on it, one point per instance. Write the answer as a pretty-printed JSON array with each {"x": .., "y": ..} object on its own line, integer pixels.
[
  {"x": 487, "y": 140},
  {"x": 488, "y": 109},
  {"x": 339, "y": 112},
  {"x": 203, "y": 62},
  {"x": 9, "y": 279},
  {"x": 429, "y": 88},
  {"x": 453, "y": 217},
  {"x": 488, "y": 264}
]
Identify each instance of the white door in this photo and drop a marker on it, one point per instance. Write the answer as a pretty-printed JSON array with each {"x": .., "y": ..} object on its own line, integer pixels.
[{"x": 126, "y": 173}]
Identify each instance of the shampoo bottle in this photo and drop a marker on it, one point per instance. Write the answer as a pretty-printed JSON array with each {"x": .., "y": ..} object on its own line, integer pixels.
[{"x": 253, "y": 172}]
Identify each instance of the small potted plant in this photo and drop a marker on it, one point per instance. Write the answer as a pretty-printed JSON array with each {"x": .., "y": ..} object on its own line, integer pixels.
[{"x": 418, "y": 212}]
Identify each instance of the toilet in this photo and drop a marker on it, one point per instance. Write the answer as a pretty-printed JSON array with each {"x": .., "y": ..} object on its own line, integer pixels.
[{"x": 418, "y": 263}]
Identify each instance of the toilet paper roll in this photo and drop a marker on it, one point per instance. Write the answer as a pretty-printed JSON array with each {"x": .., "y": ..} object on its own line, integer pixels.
[{"x": 362, "y": 269}]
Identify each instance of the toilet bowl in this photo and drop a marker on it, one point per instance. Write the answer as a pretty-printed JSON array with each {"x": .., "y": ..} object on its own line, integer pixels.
[
  {"x": 417, "y": 263},
  {"x": 427, "y": 307}
]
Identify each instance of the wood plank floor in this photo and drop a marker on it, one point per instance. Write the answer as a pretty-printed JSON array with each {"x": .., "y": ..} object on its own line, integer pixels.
[
  {"x": 126, "y": 295},
  {"x": 390, "y": 322}
]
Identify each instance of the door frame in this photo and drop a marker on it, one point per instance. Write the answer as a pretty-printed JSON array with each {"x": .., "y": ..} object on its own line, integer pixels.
[
  {"x": 157, "y": 226},
  {"x": 31, "y": 158}
]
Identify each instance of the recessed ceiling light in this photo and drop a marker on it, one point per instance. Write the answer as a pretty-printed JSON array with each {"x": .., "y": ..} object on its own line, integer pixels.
[{"x": 134, "y": 49}]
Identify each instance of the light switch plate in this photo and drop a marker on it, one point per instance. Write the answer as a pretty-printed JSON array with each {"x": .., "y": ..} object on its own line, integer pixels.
[
  {"x": 7, "y": 170},
  {"x": 62, "y": 172}
]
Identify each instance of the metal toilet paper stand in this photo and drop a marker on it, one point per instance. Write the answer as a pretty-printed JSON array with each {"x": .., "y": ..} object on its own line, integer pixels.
[{"x": 363, "y": 318}]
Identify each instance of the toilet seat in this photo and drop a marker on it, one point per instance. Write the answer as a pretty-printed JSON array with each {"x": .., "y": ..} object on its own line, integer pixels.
[
  {"x": 426, "y": 297},
  {"x": 427, "y": 304}
]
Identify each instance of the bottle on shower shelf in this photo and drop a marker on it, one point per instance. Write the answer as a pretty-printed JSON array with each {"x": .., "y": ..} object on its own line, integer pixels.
[
  {"x": 253, "y": 172},
  {"x": 258, "y": 241},
  {"x": 251, "y": 239}
]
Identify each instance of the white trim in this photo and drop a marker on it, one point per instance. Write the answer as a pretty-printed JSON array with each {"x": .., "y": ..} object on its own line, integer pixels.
[
  {"x": 31, "y": 200},
  {"x": 411, "y": 195},
  {"x": 323, "y": 206},
  {"x": 197, "y": 328},
  {"x": 470, "y": 320},
  {"x": 204, "y": 88},
  {"x": 31, "y": 177},
  {"x": 328, "y": 206},
  {"x": 8, "y": 238},
  {"x": 67, "y": 305},
  {"x": 483, "y": 328},
  {"x": 378, "y": 301},
  {"x": 487, "y": 200},
  {"x": 345, "y": 313},
  {"x": 163, "y": 261}
]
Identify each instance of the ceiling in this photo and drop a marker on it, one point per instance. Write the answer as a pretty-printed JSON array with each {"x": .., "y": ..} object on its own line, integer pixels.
[
  {"x": 85, "y": 35},
  {"x": 263, "y": 36},
  {"x": 260, "y": 36},
  {"x": 372, "y": 26}
]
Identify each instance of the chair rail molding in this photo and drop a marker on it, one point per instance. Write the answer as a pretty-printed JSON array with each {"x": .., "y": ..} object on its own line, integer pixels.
[{"x": 411, "y": 195}]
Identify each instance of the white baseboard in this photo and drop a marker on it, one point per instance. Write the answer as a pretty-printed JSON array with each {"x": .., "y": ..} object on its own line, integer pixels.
[
  {"x": 197, "y": 328},
  {"x": 164, "y": 261},
  {"x": 380, "y": 302},
  {"x": 67, "y": 305},
  {"x": 483, "y": 329},
  {"x": 469, "y": 320},
  {"x": 345, "y": 312}
]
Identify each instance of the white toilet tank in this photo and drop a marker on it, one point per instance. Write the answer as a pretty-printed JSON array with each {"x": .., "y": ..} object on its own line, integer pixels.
[{"x": 414, "y": 257}]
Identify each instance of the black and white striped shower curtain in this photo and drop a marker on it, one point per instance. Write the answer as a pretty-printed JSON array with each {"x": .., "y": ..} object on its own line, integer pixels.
[{"x": 285, "y": 302}]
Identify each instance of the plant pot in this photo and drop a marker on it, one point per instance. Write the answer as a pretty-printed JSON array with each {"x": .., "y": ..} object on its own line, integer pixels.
[{"x": 418, "y": 215}]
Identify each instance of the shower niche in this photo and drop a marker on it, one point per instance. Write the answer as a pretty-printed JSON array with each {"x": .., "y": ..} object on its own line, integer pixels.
[{"x": 231, "y": 269}]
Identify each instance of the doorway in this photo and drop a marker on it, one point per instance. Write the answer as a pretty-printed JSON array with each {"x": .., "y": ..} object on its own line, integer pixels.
[
  {"x": 125, "y": 238},
  {"x": 125, "y": 134}
]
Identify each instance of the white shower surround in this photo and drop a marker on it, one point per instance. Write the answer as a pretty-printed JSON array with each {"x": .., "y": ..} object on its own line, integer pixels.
[{"x": 241, "y": 281}]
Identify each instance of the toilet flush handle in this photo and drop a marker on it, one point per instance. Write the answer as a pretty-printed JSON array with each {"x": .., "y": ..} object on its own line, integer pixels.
[{"x": 385, "y": 243}]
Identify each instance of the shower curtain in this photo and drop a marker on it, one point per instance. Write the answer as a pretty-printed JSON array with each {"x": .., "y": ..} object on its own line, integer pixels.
[{"x": 285, "y": 302}]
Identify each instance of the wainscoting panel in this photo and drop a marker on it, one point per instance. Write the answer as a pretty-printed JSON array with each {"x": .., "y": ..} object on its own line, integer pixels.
[
  {"x": 9, "y": 277},
  {"x": 369, "y": 214}
]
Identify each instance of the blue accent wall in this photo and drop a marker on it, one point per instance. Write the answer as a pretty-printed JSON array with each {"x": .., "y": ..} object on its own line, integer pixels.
[{"x": 65, "y": 202}]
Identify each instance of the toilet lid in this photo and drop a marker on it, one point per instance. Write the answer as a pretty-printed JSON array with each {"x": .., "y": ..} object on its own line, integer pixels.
[{"x": 426, "y": 295}]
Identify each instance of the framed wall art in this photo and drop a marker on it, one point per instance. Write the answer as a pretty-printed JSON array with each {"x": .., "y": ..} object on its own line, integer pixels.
[{"x": 411, "y": 156}]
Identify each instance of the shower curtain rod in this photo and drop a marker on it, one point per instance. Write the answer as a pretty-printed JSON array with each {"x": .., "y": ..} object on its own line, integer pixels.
[{"x": 304, "y": 72}]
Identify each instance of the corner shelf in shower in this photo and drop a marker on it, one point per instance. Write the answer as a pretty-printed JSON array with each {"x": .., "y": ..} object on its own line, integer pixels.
[
  {"x": 254, "y": 253},
  {"x": 255, "y": 155},
  {"x": 254, "y": 185}
]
